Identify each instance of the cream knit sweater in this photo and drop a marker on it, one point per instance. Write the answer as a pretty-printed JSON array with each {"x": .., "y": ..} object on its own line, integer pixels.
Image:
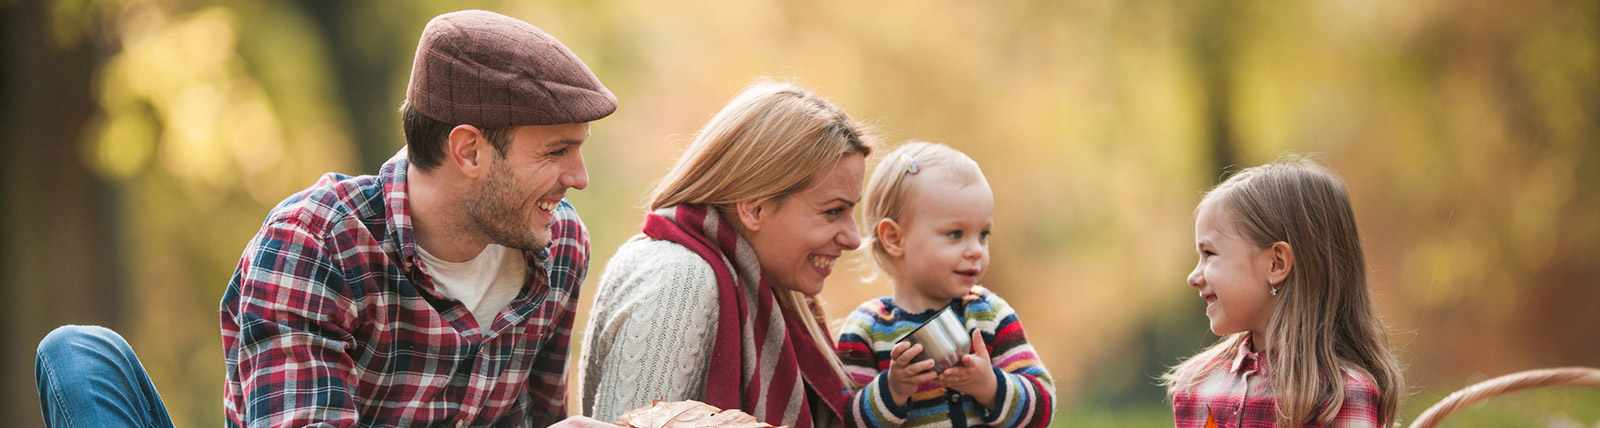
[{"x": 651, "y": 329}]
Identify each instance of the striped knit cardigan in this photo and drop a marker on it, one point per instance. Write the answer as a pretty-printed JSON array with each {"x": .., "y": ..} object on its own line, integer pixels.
[{"x": 1025, "y": 394}]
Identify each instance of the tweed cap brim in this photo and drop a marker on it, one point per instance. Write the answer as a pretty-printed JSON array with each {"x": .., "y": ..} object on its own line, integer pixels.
[{"x": 489, "y": 70}]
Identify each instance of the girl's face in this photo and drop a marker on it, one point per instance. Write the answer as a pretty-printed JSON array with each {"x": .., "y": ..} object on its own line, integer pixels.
[
  {"x": 798, "y": 240},
  {"x": 1232, "y": 275},
  {"x": 945, "y": 227}
]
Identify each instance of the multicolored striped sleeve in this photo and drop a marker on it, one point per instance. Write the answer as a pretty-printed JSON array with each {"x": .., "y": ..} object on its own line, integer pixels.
[
  {"x": 1025, "y": 395},
  {"x": 868, "y": 403}
]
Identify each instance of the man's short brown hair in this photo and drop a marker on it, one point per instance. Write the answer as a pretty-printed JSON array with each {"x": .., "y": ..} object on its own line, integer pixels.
[{"x": 427, "y": 139}]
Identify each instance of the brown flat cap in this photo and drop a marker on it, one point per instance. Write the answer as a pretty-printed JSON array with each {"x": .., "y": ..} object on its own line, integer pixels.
[{"x": 490, "y": 70}]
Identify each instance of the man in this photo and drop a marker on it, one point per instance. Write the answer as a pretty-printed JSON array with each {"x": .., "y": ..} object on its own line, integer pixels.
[{"x": 439, "y": 292}]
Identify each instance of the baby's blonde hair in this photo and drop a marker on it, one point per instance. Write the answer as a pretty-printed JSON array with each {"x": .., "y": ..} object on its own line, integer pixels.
[
  {"x": 1323, "y": 321},
  {"x": 898, "y": 173}
]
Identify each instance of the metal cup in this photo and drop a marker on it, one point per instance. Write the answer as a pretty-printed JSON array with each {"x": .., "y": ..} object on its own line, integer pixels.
[{"x": 943, "y": 339}]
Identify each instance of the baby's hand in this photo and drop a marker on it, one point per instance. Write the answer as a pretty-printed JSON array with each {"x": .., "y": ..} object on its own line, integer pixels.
[
  {"x": 904, "y": 377},
  {"x": 974, "y": 375}
]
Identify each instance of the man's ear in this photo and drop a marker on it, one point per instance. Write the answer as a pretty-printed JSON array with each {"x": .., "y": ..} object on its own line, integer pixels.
[
  {"x": 462, "y": 149},
  {"x": 753, "y": 211},
  {"x": 890, "y": 236},
  {"x": 1281, "y": 264}
]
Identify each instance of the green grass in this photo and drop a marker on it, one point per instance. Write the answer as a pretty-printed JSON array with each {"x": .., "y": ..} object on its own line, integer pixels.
[{"x": 1159, "y": 415}]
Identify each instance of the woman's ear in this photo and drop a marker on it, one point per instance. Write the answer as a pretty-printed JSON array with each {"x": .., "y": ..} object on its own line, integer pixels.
[
  {"x": 890, "y": 237},
  {"x": 753, "y": 211},
  {"x": 1282, "y": 262},
  {"x": 462, "y": 149}
]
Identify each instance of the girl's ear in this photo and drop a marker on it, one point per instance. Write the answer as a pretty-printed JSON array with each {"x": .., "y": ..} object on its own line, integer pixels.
[
  {"x": 1282, "y": 262},
  {"x": 753, "y": 211},
  {"x": 462, "y": 149},
  {"x": 889, "y": 235}
]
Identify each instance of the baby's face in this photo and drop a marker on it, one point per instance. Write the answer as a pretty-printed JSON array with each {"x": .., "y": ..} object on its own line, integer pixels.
[{"x": 946, "y": 226}]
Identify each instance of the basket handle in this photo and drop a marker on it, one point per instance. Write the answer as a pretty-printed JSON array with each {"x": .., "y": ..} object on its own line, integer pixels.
[{"x": 1583, "y": 376}]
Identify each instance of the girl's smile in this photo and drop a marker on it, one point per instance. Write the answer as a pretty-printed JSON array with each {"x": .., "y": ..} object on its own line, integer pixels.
[{"x": 1232, "y": 274}]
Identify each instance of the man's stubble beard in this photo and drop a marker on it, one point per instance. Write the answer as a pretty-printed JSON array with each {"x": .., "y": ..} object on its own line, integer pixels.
[{"x": 493, "y": 210}]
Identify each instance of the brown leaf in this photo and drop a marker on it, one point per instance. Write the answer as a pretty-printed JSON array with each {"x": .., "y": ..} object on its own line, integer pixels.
[{"x": 687, "y": 414}]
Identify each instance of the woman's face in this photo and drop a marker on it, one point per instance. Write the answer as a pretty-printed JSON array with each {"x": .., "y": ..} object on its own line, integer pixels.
[{"x": 798, "y": 240}]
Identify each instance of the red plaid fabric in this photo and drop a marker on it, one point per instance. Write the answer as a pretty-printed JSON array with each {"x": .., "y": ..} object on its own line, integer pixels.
[
  {"x": 331, "y": 319},
  {"x": 1237, "y": 395}
]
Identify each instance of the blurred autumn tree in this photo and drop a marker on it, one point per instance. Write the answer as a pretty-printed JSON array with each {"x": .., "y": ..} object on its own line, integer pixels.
[{"x": 145, "y": 141}]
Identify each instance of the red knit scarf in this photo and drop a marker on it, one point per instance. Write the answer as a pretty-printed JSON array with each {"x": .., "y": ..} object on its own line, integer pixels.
[{"x": 762, "y": 352}]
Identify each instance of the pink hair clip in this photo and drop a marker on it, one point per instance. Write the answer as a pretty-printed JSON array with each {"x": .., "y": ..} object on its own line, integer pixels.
[{"x": 910, "y": 164}]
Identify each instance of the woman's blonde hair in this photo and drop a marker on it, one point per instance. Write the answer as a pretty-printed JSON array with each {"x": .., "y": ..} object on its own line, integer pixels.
[
  {"x": 898, "y": 173},
  {"x": 1323, "y": 321},
  {"x": 769, "y": 142}
]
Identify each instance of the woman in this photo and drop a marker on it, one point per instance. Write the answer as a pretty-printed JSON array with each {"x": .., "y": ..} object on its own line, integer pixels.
[{"x": 715, "y": 301}]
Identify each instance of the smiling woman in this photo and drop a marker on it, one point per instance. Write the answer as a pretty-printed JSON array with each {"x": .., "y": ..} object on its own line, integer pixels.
[{"x": 715, "y": 301}]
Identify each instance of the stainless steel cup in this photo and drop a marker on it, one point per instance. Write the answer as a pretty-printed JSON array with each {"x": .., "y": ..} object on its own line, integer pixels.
[{"x": 943, "y": 339}]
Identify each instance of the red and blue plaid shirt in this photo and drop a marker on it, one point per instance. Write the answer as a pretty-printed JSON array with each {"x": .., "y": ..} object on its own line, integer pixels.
[
  {"x": 332, "y": 319},
  {"x": 1237, "y": 395}
]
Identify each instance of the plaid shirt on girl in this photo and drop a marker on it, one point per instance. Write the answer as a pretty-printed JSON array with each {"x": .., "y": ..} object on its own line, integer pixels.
[
  {"x": 332, "y": 318},
  {"x": 1237, "y": 395}
]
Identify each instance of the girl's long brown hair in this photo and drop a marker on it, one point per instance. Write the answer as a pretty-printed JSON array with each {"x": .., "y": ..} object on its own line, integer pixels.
[{"x": 1323, "y": 322}]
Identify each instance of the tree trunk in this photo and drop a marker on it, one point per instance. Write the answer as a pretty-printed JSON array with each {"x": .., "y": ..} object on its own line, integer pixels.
[{"x": 58, "y": 236}]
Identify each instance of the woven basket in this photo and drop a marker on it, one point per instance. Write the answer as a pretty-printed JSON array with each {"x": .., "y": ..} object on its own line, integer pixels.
[{"x": 1582, "y": 376}]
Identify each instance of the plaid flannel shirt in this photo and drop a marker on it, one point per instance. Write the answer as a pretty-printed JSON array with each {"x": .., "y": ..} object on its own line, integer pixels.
[
  {"x": 1237, "y": 395},
  {"x": 332, "y": 319}
]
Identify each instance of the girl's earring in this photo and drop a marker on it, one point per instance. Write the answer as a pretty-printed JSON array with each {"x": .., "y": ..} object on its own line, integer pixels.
[{"x": 1274, "y": 290}]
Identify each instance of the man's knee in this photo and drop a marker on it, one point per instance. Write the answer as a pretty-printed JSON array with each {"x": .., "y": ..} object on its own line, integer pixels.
[{"x": 68, "y": 341}]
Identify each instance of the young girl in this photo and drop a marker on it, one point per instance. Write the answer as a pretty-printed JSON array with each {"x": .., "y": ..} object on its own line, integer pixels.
[
  {"x": 930, "y": 210},
  {"x": 1284, "y": 280}
]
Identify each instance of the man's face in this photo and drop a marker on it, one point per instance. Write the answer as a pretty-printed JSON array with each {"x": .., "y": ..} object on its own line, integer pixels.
[{"x": 514, "y": 202}]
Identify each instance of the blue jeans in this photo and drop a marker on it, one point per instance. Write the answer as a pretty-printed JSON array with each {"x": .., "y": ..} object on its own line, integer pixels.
[{"x": 88, "y": 377}]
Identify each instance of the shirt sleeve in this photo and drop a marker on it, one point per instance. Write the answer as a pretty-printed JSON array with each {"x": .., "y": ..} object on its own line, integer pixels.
[
  {"x": 284, "y": 318},
  {"x": 652, "y": 331},
  {"x": 567, "y": 267},
  {"x": 1025, "y": 393},
  {"x": 1360, "y": 408},
  {"x": 868, "y": 404},
  {"x": 548, "y": 383}
]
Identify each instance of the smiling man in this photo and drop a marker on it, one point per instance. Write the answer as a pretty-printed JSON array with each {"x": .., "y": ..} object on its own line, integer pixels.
[{"x": 439, "y": 292}]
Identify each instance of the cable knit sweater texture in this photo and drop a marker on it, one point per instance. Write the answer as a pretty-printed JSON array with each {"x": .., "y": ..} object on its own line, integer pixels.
[{"x": 651, "y": 329}]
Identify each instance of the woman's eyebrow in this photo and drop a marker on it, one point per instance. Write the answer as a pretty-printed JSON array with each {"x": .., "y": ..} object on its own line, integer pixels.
[{"x": 846, "y": 201}]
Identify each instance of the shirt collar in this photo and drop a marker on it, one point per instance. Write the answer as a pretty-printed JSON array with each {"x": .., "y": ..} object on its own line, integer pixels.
[
  {"x": 396, "y": 192},
  {"x": 1245, "y": 358},
  {"x": 393, "y": 176}
]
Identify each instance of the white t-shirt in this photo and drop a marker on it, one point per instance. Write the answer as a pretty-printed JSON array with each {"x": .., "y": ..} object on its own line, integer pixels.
[{"x": 485, "y": 284}]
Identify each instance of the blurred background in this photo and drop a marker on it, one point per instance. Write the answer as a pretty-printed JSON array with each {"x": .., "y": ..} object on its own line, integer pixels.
[{"x": 144, "y": 141}]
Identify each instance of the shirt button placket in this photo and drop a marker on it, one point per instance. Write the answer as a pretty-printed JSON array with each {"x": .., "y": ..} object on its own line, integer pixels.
[{"x": 957, "y": 415}]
